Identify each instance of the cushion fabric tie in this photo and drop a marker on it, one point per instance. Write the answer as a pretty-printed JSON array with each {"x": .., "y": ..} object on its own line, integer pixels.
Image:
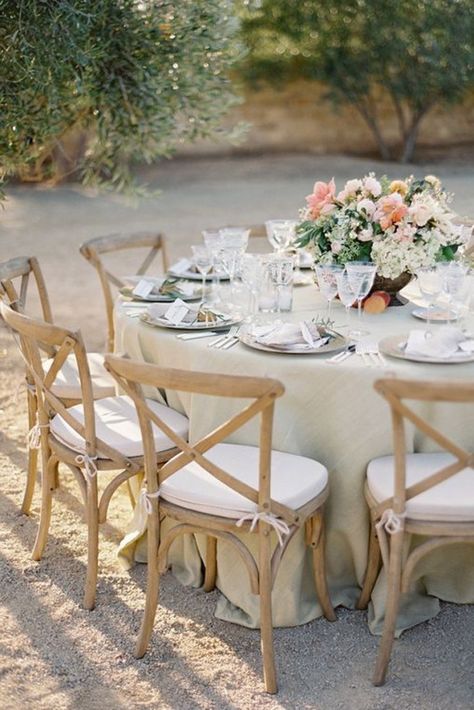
[
  {"x": 89, "y": 463},
  {"x": 279, "y": 525},
  {"x": 146, "y": 498},
  {"x": 34, "y": 435},
  {"x": 390, "y": 523}
]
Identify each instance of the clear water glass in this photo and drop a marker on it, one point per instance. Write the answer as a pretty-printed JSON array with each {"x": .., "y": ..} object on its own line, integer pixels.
[
  {"x": 281, "y": 269},
  {"x": 346, "y": 294},
  {"x": 251, "y": 271},
  {"x": 430, "y": 283},
  {"x": 455, "y": 284},
  {"x": 326, "y": 276},
  {"x": 213, "y": 242},
  {"x": 361, "y": 276}
]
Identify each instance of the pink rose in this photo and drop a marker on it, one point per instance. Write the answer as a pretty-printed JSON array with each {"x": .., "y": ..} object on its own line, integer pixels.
[
  {"x": 321, "y": 202},
  {"x": 350, "y": 190},
  {"x": 365, "y": 235},
  {"x": 390, "y": 210},
  {"x": 336, "y": 247},
  {"x": 420, "y": 213},
  {"x": 366, "y": 206},
  {"x": 372, "y": 186}
]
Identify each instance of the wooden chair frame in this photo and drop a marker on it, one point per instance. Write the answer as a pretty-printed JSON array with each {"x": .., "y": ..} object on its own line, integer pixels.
[
  {"x": 99, "y": 455},
  {"x": 263, "y": 392},
  {"x": 390, "y": 515},
  {"x": 93, "y": 249}
]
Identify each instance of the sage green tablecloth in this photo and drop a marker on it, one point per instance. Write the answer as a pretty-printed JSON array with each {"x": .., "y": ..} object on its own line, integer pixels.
[{"x": 328, "y": 412}]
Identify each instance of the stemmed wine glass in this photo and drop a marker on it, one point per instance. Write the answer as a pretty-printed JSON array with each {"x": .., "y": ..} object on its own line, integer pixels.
[
  {"x": 233, "y": 246},
  {"x": 326, "y": 275},
  {"x": 280, "y": 233},
  {"x": 345, "y": 293},
  {"x": 281, "y": 268},
  {"x": 454, "y": 281},
  {"x": 203, "y": 262},
  {"x": 213, "y": 243},
  {"x": 361, "y": 276}
]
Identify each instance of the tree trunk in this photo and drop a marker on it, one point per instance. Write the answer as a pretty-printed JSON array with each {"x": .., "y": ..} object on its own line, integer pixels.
[
  {"x": 409, "y": 142},
  {"x": 371, "y": 121}
]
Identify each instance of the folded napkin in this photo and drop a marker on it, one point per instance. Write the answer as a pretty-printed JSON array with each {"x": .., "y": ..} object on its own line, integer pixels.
[
  {"x": 445, "y": 342},
  {"x": 304, "y": 335}
]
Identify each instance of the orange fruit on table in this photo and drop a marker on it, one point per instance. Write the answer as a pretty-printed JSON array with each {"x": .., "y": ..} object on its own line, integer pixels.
[{"x": 375, "y": 304}]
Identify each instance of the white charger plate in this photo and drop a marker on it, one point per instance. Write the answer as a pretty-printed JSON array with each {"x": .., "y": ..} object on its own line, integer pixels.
[
  {"x": 393, "y": 347},
  {"x": 441, "y": 315},
  {"x": 195, "y": 275},
  {"x": 161, "y": 322},
  {"x": 337, "y": 343}
]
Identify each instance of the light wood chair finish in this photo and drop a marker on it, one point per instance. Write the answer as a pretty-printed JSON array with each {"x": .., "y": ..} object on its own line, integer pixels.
[
  {"x": 94, "y": 249},
  {"x": 390, "y": 516},
  {"x": 262, "y": 392},
  {"x": 17, "y": 277},
  {"x": 99, "y": 455}
]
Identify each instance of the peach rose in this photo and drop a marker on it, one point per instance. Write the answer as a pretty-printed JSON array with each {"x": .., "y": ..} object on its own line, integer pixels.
[
  {"x": 321, "y": 202},
  {"x": 420, "y": 213},
  {"x": 390, "y": 210}
]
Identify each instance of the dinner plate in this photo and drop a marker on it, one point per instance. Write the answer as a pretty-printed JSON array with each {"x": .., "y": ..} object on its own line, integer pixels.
[
  {"x": 127, "y": 292},
  {"x": 392, "y": 346},
  {"x": 161, "y": 322},
  {"x": 336, "y": 343},
  {"x": 195, "y": 275},
  {"x": 441, "y": 315}
]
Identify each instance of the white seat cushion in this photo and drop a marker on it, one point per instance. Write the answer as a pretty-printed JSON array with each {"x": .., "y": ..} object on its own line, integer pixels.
[
  {"x": 295, "y": 480},
  {"x": 452, "y": 500},
  {"x": 117, "y": 424},
  {"x": 67, "y": 384}
]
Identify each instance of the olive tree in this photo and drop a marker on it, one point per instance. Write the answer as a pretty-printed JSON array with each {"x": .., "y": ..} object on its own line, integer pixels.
[
  {"x": 418, "y": 54},
  {"x": 135, "y": 78}
]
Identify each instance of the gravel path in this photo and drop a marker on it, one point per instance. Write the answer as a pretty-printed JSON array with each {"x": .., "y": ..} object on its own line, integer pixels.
[{"x": 53, "y": 654}]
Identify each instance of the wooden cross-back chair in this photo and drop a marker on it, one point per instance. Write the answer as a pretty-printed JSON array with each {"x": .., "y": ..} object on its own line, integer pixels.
[
  {"x": 89, "y": 438},
  {"x": 17, "y": 278},
  {"x": 427, "y": 494},
  {"x": 217, "y": 489},
  {"x": 94, "y": 249}
]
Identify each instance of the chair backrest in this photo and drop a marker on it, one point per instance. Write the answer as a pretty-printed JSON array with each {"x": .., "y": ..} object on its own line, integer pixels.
[
  {"x": 397, "y": 392},
  {"x": 32, "y": 333},
  {"x": 132, "y": 375},
  {"x": 16, "y": 278},
  {"x": 93, "y": 249}
]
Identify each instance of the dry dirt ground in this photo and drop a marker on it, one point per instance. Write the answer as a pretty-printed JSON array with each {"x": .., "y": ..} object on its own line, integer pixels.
[{"x": 53, "y": 654}]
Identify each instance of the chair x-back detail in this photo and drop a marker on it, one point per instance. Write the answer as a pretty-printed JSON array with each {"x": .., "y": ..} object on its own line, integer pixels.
[
  {"x": 426, "y": 494},
  {"x": 219, "y": 489},
  {"x": 94, "y": 436},
  {"x": 93, "y": 249},
  {"x": 17, "y": 276}
]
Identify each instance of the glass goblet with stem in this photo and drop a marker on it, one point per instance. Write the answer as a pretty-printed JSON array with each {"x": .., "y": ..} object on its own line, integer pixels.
[
  {"x": 281, "y": 269},
  {"x": 203, "y": 262},
  {"x": 280, "y": 233},
  {"x": 454, "y": 280},
  {"x": 361, "y": 276},
  {"x": 251, "y": 271},
  {"x": 326, "y": 276},
  {"x": 213, "y": 242},
  {"x": 430, "y": 283},
  {"x": 234, "y": 243},
  {"x": 346, "y": 294}
]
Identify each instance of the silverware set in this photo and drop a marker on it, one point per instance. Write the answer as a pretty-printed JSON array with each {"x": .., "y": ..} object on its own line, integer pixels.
[
  {"x": 223, "y": 341},
  {"x": 370, "y": 354}
]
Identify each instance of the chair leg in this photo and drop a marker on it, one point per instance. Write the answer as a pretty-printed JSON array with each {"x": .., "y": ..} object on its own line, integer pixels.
[
  {"x": 393, "y": 600},
  {"x": 32, "y": 458},
  {"x": 266, "y": 621},
  {"x": 319, "y": 567},
  {"x": 152, "y": 586},
  {"x": 92, "y": 513},
  {"x": 211, "y": 564},
  {"x": 372, "y": 571},
  {"x": 47, "y": 487}
]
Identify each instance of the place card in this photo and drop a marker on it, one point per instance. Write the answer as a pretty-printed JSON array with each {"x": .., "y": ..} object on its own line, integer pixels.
[
  {"x": 181, "y": 266},
  {"x": 143, "y": 288},
  {"x": 176, "y": 313}
]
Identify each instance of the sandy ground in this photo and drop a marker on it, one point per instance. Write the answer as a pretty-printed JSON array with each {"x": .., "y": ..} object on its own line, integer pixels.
[{"x": 53, "y": 654}]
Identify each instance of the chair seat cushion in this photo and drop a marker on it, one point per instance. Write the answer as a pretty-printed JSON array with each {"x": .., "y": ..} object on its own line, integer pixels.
[
  {"x": 67, "y": 384},
  {"x": 117, "y": 425},
  {"x": 295, "y": 480},
  {"x": 452, "y": 500}
]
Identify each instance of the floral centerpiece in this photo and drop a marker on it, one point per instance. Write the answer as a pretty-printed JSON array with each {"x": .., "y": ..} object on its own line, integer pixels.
[{"x": 399, "y": 225}]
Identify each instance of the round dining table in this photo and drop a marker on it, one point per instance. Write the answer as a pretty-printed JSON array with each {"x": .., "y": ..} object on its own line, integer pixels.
[{"x": 329, "y": 412}]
